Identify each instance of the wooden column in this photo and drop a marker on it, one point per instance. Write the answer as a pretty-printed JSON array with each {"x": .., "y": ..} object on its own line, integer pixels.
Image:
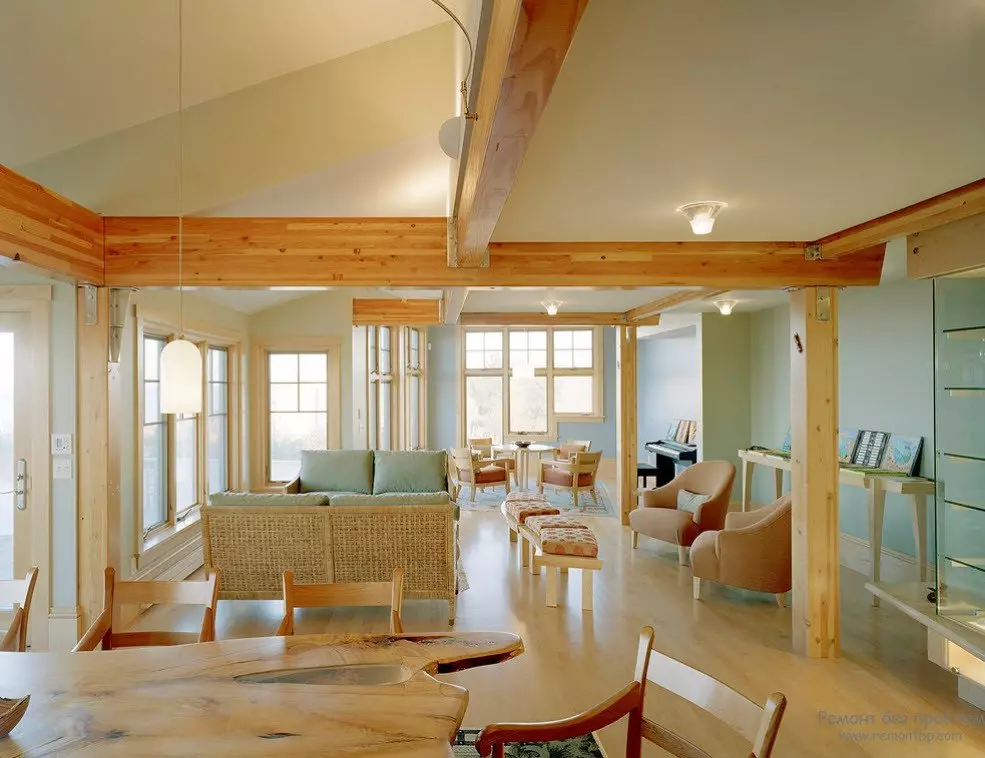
[
  {"x": 626, "y": 452},
  {"x": 97, "y": 547},
  {"x": 814, "y": 470}
]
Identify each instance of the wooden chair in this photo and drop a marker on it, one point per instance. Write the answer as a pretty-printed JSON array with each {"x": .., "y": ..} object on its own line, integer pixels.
[
  {"x": 17, "y": 592},
  {"x": 578, "y": 473},
  {"x": 118, "y": 594},
  {"x": 343, "y": 594},
  {"x": 571, "y": 447},
  {"x": 759, "y": 725},
  {"x": 484, "y": 447},
  {"x": 477, "y": 473}
]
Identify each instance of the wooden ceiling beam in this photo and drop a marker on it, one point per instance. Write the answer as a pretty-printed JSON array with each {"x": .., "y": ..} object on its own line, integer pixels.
[
  {"x": 452, "y": 302},
  {"x": 380, "y": 252},
  {"x": 390, "y": 311},
  {"x": 44, "y": 229},
  {"x": 561, "y": 319},
  {"x": 673, "y": 300},
  {"x": 955, "y": 205},
  {"x": 525, "y": 47}
]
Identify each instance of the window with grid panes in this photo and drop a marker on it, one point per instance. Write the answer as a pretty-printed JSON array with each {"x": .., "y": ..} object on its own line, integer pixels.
[{"x": 297, "y": 410}]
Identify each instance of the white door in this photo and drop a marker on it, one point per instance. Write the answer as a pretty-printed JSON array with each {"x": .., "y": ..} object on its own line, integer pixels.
[{"x": 15, "y": 447}]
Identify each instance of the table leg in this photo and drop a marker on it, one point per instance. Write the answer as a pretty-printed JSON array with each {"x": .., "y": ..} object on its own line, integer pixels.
[
  {"x": 586, "y": 589},
  {"x": 746, "y": 484},
  {"x": 920, "y": 533},
  {"x": 877, "y": 511},
  {"x": 521, "y": 545},
  {"x": 552, "y": 586},
  {"x": 778, "y": 476}
]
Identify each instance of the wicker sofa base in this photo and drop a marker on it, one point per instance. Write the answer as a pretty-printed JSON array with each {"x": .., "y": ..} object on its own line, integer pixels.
[{"x": 253, "y": 545}]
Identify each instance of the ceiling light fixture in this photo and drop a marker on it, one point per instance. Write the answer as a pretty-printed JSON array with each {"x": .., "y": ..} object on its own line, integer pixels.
[
  {"x": 181, "y": 360},
  {"x": 551, "y": 306},
  {"x": 725, "y": 306},
  {"x": 702, "y": 215},
  {"x": 450, "y": 132}
]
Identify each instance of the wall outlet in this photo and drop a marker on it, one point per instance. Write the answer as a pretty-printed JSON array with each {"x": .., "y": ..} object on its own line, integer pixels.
[
  {"x": 61, "y": 468},
  {"x": 61, "y": 444}
]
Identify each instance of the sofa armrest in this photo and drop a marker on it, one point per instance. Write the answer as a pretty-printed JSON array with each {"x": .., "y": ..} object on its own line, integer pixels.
[
  {"x": 292, "y": 487},
  {"x": 661, "y": 497}
]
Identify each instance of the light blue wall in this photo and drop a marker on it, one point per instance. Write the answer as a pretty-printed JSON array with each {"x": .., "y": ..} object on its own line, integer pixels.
[
  {"x": 444, "y": 388},
  {"x": 668, "y": 383},
  {"x": 886, "y": 382}
]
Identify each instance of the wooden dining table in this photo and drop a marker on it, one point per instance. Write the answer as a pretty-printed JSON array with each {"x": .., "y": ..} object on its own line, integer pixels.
[{"x": 325, "y": 695}]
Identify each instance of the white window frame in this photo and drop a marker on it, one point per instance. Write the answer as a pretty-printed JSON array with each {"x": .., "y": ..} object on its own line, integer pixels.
[{"x": 419, "y": 370}]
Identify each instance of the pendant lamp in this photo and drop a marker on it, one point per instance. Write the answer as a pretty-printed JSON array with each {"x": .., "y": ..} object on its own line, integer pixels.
[{"x": 181, "y": 360}]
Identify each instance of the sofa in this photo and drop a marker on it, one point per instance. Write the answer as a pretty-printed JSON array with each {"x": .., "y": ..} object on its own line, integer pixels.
[{"x": 352, "y": 516}]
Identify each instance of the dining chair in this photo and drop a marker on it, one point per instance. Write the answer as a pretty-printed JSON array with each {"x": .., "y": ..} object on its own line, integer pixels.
[
  {"x": 570, "y": 447},
  {"x": 117, "y": 594},
  {"x": 477, "y": 473},
  {"x": 578, "y": 473},
  {"x": 484, "y": 447},
  {"x": 18, "y": 593},
  {"x": 759, "y": 725},
  {"x": 343, "y": 594}
]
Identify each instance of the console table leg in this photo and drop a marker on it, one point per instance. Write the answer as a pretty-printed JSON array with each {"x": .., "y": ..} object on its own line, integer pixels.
[
  {"x": 778, "y": 476},
  {"x": 746, "y": 484},
  {"x": 877, "y": 511},
  {"x": 919, "y": 503}
]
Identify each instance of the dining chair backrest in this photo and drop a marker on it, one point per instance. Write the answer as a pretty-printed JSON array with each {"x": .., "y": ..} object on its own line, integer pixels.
[
  {"x": 119, "y": 594},
  {"x": 343, "y": 594},
  {"x": 586, "y": 463},
  {"x": 463, "y": 458},
  {"x": 18, "y": 593},
  {"x": 482, "y": 445}
]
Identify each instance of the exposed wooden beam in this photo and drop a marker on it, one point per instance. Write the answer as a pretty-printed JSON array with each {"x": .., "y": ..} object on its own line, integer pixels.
[
  {"x": 626, "y": 421},
  {"x": 957, "y": 204},
  {"x": 673, "y": 300},
  {"x": 526, "y": 45},
  {"x": 376, "y": 252},
  {"x": 452, "y": 301},
  {"x": 561, "y": 319},
  {"x": 384, "y": 311},
  {"x": 43, "y": 228},
  {"x": 814, "y": 470},
  {"x": 949, "y": 249}
]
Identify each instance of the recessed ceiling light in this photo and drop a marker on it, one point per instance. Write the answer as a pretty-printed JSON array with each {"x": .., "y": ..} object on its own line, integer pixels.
[
  {"x": 702, "y": 215},
  {"x": 725, "y": 306}
]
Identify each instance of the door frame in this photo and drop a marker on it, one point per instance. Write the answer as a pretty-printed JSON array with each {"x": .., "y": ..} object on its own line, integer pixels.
[{"x": 35, "y": 301}]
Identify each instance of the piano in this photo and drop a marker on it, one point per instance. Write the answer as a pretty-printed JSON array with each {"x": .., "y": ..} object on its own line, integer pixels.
[{"x": 667, "y": 455}]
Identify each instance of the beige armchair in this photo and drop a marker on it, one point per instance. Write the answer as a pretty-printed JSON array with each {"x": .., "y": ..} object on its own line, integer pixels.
[
  {"x": 477, "y": 473},
  {"x": 484, "y": 447},
  {"x": 753, "y": 551},
  {"x": 576, "y": 474},
  {"x": 660, "y": 518}
]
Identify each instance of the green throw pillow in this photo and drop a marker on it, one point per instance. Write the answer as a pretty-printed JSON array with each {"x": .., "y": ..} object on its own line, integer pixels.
[
  {"x": 337, "y": 471},
  {"x": 410, "y": 471}
]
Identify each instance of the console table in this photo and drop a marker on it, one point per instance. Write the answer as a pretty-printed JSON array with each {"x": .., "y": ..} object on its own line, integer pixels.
[{"x": 915, "y": 489}]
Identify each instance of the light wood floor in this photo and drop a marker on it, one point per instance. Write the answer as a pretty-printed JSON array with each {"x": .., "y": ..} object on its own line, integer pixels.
[{"x": 574, "y": 659}]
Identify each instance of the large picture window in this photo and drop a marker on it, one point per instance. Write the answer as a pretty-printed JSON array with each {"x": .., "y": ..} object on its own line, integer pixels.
[
  {"x": 297, "y": 403},
  {"x": 520, "y": 382}
]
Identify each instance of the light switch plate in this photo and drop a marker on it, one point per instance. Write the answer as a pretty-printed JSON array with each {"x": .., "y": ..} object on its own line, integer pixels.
[
  {"x": 61, "y": 444},
  {"x": 61, "y": 468}
]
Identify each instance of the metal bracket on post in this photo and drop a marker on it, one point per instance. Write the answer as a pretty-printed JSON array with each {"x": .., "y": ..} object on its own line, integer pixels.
[
  {"x": 812, "y": 252},
  {"x": 119, "y": 305},
  {"x": 822, "y": 305},
  {"x": 91, "y": 305}
]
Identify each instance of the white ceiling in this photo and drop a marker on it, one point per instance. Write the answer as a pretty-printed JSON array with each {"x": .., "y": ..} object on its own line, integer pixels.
[
  {"x": 806, "y": 117},
  {"x": 527, "y": 300},
  {"x": 251, "y": 300}
]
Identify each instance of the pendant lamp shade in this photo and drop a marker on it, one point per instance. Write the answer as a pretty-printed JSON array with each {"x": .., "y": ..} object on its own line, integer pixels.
[{"x": 181, "y": 377}]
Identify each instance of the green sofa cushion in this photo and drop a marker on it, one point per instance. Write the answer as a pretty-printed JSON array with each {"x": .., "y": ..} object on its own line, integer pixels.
[
  {"x": 410, "y": 471},
  {"x": 273, "y": 498},
  {"x": 392, "y": 498},
  {"x": 337, "y": 471}
]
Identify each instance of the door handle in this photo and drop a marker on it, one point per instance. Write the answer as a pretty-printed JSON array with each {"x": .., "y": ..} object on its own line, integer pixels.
[{"x": 20, "y": 485}]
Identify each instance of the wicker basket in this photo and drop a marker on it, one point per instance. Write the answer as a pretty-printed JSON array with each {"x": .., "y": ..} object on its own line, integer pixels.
[{"x": 11, "y": 712}]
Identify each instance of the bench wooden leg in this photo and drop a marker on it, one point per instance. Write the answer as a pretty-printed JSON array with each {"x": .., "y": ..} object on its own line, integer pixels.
[
  {"x": 534, "y": 560},
  {"x": 586, "y": 589},
  {"x": 552, "y": 586},
  {"x": 512, "y": 535},
  {"x": 522, "y": 543}
]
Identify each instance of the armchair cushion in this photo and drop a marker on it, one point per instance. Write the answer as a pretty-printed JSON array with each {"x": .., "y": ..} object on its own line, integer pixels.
[
  {"x": 563, "y": 478},
  {"x": 689, "y": 501},
  {"x": 491, "y": 474},
  {"x": 337, "y": 471}
]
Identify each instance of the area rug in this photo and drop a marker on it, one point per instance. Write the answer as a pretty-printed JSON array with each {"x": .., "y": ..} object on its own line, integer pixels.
[
  {"x": 491, "y": 499},
  {"x": 576, "y": 747}
]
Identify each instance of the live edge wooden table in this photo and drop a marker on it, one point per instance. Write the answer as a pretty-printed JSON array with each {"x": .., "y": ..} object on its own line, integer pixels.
[
  {"x": 914, "y": 488},
  {"x": 317, "y": 695}
]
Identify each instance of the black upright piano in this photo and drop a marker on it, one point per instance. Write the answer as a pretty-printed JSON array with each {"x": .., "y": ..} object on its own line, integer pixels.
[{"x": 668, "y": 454}]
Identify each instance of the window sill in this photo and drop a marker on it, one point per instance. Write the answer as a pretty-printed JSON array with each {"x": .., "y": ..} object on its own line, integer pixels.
[
  {"x": 163, "y": 540},
  {"x": 578, "y": 418}
]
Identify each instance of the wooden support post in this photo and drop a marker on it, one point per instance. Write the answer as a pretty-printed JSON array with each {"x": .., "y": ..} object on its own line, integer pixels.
[
  {"x": 814, "y": 470},
  {"x": 626, "y": 453},
  {"x": 98, "y": 498}
]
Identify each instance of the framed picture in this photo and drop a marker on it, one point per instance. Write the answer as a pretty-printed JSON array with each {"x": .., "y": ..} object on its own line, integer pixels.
[
  {"x": 847, "y": 440},
  {"x": 869, "y": 449},
  {"x": 902, "y": 454}
]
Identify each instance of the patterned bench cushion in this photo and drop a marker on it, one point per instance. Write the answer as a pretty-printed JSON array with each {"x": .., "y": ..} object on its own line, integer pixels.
[
  {"x": 580, "y": 543},
  {"x": 520, "y": 512},
  {"x": 536, "y": 523},
  {"x": 525, "y": 497}
]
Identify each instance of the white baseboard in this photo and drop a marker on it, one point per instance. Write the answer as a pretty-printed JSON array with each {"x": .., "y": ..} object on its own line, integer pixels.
[
  {"x": 64, "y": 627},
  {"x": 894, "y": 567}
]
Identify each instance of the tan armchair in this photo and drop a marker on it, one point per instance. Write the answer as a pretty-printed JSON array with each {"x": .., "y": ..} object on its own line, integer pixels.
[
  {"x": 484, "y": 447},
  {"x": 578, "y": 473},
  {"x": 753, "y": 551},
  {"x": 660, "y": 518},
  {"x": 477, "y": 473}
]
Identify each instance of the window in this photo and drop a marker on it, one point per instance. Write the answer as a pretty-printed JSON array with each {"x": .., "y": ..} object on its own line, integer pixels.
[
  {"x": 380, "y": 427},
  {"x": 542, "y": 376},
  {"x": 217, "y": 421},
  {"x": 415, "y": 401},
  {"x": 297, "y": 404},
  {"x": 155, "y": 438}
]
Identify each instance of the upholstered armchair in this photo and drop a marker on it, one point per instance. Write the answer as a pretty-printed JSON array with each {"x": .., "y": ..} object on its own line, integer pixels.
[
  {"x": 707, "y": 486},
  {"x": 576, "y": 474},
  {"x": 477, "y": 473},
  {"x": 753, "y": 551},
  {"x": 484, "y": 447}
]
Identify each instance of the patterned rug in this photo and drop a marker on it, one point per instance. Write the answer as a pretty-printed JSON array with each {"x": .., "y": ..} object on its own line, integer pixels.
[
  {"x": 577, "y": 747},
  {"x": 492, "y": 499}
]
